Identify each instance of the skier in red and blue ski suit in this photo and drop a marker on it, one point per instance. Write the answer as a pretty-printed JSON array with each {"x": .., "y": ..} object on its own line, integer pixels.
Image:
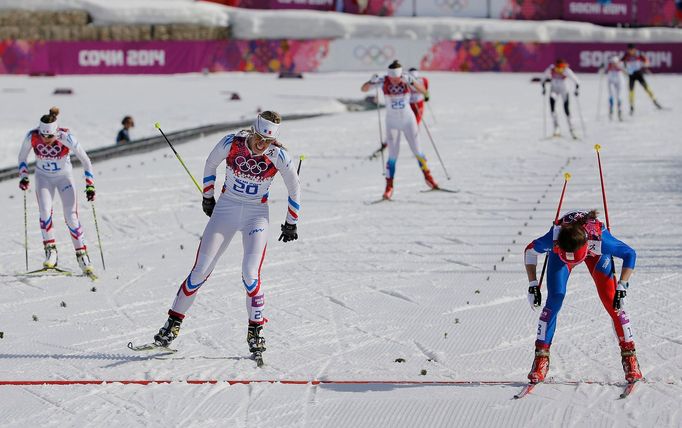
[{"x": 579, "y": 236}]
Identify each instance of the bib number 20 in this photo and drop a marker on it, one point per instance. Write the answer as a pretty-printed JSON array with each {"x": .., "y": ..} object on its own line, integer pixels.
[{"x": 241, "y": 186}]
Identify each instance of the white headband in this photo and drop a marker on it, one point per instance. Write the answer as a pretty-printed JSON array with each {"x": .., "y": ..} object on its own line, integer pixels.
[
  {"x": 265, "y": 128},
  {"x": 395, "y": 72},
  {"x": 48, "y": 128}
]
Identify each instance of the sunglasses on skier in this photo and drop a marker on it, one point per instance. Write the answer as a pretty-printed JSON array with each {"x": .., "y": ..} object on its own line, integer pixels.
[{"x": 47, "y": 136}]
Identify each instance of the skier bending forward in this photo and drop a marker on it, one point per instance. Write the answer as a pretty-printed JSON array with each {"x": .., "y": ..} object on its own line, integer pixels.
[
  {"x": 253, "y": 159},
  {"x": 578, "y": 236}
]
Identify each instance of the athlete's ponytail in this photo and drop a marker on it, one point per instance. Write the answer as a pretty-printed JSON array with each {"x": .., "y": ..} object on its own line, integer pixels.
[{"x": 51, "y": 117}]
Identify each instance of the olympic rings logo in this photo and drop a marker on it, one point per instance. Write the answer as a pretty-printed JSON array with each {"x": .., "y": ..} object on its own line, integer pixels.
[
  {"x": 250, "y": 165},
  {"x": 48, "y": 151},
  {"x": 374, "y": 54},
  {"x": 454, "y": 5}
]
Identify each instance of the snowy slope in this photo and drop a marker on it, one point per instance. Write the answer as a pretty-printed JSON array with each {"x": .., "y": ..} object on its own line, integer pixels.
[{"x": 365, "y": 284}]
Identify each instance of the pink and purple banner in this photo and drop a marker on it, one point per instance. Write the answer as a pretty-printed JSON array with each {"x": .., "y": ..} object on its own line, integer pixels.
[
  {"x": 169, "y": 57},
  {"x": 599, "y": 11},
  {"x": 281, "y": 4}
]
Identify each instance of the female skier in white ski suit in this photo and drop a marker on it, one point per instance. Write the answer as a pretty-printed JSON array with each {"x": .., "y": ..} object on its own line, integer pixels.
[
  {"x": 396, "y": 87},
  {"x": 53, "y": 146},
  {"x": 253, "y": 159}
]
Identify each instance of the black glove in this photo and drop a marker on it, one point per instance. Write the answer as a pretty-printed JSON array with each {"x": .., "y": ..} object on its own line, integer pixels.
[
  {"x": 534, "y": 295},
  {"x": 207, "y": 205},
  {"x": 288, "y": 233},
  {"x": 427, "y": 96},
  {"x": 577, "y": 91},
  {"x": 90, "y": 192},
  {"x": 23, "y": 183},
  {"x": 621, "y": 292}
]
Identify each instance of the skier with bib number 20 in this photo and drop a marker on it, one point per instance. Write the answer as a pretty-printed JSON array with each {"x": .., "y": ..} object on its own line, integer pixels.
[
  {"x": 253, "y": 159},
  {"x": 580, "y": 237}
]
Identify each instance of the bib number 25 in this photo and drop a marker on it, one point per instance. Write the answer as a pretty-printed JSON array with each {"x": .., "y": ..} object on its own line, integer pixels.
[
  {"x": 241, "y": 186},
  {"x": 398, "y": 104}
]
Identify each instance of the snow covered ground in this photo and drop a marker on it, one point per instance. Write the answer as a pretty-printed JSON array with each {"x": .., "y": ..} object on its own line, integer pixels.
[{"x": 433, "y": 278}]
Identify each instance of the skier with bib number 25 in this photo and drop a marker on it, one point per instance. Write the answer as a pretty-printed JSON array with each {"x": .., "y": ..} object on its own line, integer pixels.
[
  {"x": 253, "y": 159},
  {"x": 580, "y": 237},
  {"x": 396, "y": 87}
]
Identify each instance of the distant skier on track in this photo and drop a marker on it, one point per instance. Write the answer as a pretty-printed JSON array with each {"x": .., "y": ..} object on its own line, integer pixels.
[
  {"x": 53, "y": 147},
  {"x": 636, "y": 65},
  {"x": 579, "y": 236},
  {"x": 396, "y": 87},
  {"x": 614, "y": 75},
  {"x": 557, "y": 74},
  {"x": 253, "y": 158}
]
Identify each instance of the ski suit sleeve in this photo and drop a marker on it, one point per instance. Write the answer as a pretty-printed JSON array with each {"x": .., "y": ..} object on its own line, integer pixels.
[
  {"x": 571, "y": 75},
  {"x": 80, "y": 153},
  {"x": 540, "y": 245},
  {"x": 286, "y": 167},
  {"x": 614, "y": 247},
  {"x": 218, "y": 154},
  {"x": 23, "y": 156},
  {"x": 547, "y": 75}
]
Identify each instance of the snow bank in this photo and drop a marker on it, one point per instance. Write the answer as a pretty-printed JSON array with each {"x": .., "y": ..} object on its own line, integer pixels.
[{"x": 249, "y": 24}]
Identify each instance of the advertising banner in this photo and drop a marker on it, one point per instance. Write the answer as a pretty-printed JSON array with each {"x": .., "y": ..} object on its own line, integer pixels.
[
  {"x": 169, "y": 57},
  {"x": 599, "y": 11},
  {"x": 281, "y": 4},
  {"x": 659, "y": 12}
]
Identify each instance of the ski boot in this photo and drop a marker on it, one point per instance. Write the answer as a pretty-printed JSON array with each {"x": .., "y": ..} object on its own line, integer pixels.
[
  {"x": 658, "y": 105},
  {"x": 611, "y": 112},
  {"x": 540, "y": 364},
  {"x": 620, "y": 115},
  {"x": 632, "y": 110},
  {"x": 630, "y": 363},
  {"x": 256, "y": 341},
  {"x": 50, "y": 256},
  {"x": 84, "y": 262},
  {"x": 429, "y": 179},
  {"x": 169, "y": 331},
  {"x": 388, "y": 193}
]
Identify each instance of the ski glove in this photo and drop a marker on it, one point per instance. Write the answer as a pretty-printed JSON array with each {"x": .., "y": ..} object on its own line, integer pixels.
[
  {"x": 207, "y": 205},
  {"x": 534, "y": 295},
  {"x": 374, "y": 80},
  {"x": 577, "y": 91},
  {"x": 90, "y": 193},
  {"x": 288, "y": 232},
  {"x": 427, "y": 97},
  {"x": 621, "y": 292},
  {"x": 23, "y": 183}
]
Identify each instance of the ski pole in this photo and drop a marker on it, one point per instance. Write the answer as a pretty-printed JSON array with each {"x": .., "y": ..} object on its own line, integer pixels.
[
  {"x": 436, "y": 149},
  {"x": 580, "y": 114},
  {"x": 25, "y": 231},
  {"x": 300, "y": 159},
  {"x": 601, "y": 79},
  {"x": 433, "y": 116},
  {"x": 567, "y": 177},
  {"x": 544, "y": 114},
  {"x": 99, "y": 240},
  {"x": 597, "y": 147},
  {"x": 179, "y": 158},
  {"x": 381, "y": 135}
]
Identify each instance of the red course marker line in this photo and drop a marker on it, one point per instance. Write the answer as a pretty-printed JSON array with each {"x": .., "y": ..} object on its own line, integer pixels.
[
  {"x": 298, "y": 382},
  {"x": 246, "y": 382}
]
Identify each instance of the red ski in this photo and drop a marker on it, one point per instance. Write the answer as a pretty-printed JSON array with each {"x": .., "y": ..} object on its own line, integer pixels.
[{"x": 527, "y": 389}]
